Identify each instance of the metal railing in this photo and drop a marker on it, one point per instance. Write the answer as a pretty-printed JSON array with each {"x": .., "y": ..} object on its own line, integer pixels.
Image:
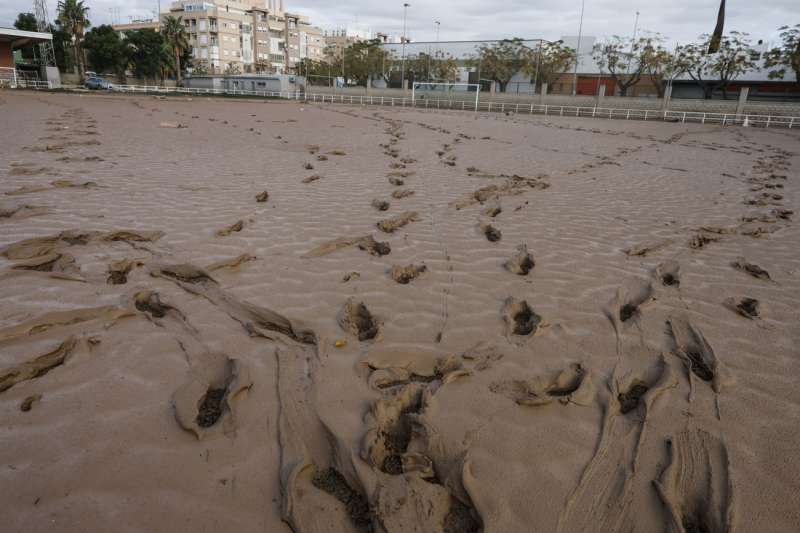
[
  {"x": 13, "y": 78},
  {"x": 724, "y": 119}
]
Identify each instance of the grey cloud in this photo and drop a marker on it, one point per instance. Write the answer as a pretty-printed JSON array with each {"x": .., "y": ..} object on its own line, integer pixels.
[{"x": 482, "y": 19}]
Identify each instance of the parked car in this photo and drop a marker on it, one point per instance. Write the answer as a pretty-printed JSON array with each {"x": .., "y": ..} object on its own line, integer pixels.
[{"x": 98, "y": 83}]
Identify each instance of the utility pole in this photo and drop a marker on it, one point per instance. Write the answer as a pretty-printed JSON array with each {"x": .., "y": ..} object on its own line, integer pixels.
[
  {"x": 578, "y": 52},
  {"x": 403, "y": 43}
]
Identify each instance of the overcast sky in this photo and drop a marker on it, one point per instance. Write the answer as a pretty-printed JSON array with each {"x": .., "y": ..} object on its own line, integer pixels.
[{"x": 680, "y": 20}]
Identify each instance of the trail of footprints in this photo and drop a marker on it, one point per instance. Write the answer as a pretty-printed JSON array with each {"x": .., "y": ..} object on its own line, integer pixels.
[{"x": 694, "y": 486}]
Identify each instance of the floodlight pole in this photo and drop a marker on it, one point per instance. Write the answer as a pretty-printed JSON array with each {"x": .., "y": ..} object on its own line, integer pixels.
[
  {"x": 403, "y": 43},
  {"x": 437, "y": 38},
  {"x": 578, "y": 52}
]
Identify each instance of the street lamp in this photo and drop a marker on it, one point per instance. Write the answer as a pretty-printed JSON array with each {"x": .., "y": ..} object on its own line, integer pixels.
[
  {"x": 403, "y": 43},
  {"x": 578, "y": 52},
  {"x": 436, "y": 52},
  {"x": 633, "y": 42}
]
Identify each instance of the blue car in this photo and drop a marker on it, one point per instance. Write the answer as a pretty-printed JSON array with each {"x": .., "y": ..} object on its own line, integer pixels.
[{"x": 97, "y": 83}]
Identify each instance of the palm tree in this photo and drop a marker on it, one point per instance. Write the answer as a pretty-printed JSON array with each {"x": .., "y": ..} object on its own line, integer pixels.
[
  {"x": 72, "y": 16},
  {"x": 716, "y": 37},
  {"x": 175, "y": 36}
]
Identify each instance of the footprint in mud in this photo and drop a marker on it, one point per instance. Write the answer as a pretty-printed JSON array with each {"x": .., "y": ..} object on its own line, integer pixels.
[
  {"x": 413, "y": 493},
  {"x": 186, "y": 273},
  {"x": 520, "y": 319},
  {"x": 691, "y": 346},
  {"x": 150, "y": 302},
  {"x": 312, "y": 178},
  {"x": 51, "y": 262},
  {"x": 647, "y": 247},
  {"x": 355, "y": 318},
  {"x": 628, "y": 301},
  {"x": 491, "y": 233},
  {"x": 493, "y": 210},
  {"x": 397, "y": 182},
  {"x": 747, "y": 307},
  {"x": 390, "y": 225},
  {"x": 695, "y": 487},
  {"x": 405, "y": 274},
  {"x": 334, "y": 483},
  {"x": 570, "y": 385},
  {"x": 262, "y": 197},
  {"x": 669, "y": 273},
  {"x": 521, "y": 262},
  {"x": 629, "y": 399},
  {"x": 308, "y": 166},
  {"x": 207, "y": 400},
  {"x": 700, "y": 240},
  {"x": 27, "y": 403},
  {"x": 750, "y": 268},
  {"x": 38, "y": 366},
  {"x": 380, "y": 205},
  {"x": 366, "y": 243},
  {"x": 402, "y": 193},
  {"x": 378, "y": 248},
  {"x": 390, "y": 423},
  {"x": 118, "y": 271},
  {"x": 233, "y": 228}
]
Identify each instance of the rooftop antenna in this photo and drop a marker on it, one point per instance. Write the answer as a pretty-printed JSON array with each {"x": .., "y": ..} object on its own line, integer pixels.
[{"x": 46, "y": 53}]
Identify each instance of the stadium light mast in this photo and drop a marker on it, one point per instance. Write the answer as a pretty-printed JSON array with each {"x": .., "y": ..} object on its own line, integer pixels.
[
  {"x": 633, "y": 42},
  {"x": 403, "y": 43},
  {"x": 578, "y": 52}
]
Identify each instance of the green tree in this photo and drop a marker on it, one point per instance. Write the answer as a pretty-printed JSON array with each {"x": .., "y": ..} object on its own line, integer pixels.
[
  {"x": 661, "y": 64},
  {"x": 364, "y": 61},
  {"x": 502, "y": 60},
  {"x": 176, "y": 38},
  {"x": 622, "y": 58},
  {"x": 73, "y": 18},
  {"x": 716, "y": 71},
  {"x": 106, "y": 51},
  {"x": 27, "y": 22},
  {"x": 787, "y": 56},
  {"x": 61, "y": 47},
  {"x": 445, "y": 67},
  {"x": 148, "y": 53},
  {"x": 316, "y": 72},
  {"x": 552, "y": 59}
]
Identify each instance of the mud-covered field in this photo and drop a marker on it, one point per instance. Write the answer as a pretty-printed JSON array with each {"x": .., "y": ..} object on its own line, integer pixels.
[{"x": 222, "y": 315}]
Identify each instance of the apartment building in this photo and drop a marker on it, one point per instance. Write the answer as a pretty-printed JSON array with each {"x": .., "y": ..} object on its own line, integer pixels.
[{"x": 245, "y": 36}]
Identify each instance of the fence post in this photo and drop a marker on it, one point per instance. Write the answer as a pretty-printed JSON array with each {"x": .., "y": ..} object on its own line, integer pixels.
[{"x": 743, "y": 92}]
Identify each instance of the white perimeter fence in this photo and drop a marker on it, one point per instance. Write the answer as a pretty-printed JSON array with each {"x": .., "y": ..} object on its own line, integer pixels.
[{"x": 454, "y": 103}]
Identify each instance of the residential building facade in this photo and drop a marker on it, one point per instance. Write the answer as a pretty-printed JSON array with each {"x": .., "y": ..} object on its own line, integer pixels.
[{"x": 242, "y": 36}]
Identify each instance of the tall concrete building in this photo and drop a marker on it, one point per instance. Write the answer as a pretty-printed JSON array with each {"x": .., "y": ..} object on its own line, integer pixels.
[{"x": 241, "y": 36}]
